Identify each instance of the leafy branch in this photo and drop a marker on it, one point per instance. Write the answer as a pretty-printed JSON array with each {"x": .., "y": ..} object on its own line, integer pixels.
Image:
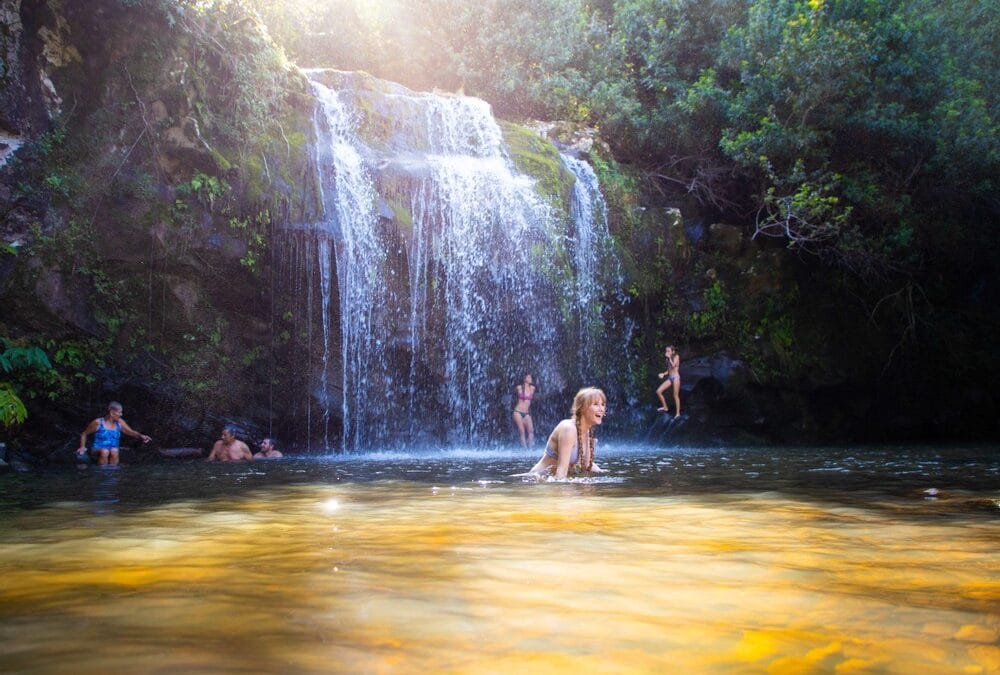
[{"x": 17, "y": 357}]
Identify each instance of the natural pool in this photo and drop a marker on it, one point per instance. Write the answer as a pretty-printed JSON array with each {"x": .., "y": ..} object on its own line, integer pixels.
[{"x": 778, "y": 560}]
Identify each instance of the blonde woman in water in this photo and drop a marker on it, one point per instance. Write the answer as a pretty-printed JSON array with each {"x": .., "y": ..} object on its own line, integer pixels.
[{"x": 572, "y": 442}]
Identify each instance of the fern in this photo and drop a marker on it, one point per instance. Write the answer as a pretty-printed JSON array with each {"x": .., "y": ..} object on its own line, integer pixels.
[
  {"x": 12, "y": 410},
  {"x": 15, "y": 358}
]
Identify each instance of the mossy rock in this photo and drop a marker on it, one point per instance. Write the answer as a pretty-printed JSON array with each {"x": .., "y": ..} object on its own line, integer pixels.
[{"x": 539, "y": 158}]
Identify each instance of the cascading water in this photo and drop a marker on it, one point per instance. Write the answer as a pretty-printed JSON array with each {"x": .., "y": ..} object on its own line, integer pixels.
[
  {"x": 455, "y": 276},
  {"x": 598, "y": 279},
  {"x": 352, "y": 226}
]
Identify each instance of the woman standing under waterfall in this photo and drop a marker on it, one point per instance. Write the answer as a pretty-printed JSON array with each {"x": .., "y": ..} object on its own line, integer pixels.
[
  {"x": 572, "y": 442},
  {"x": 522, "y": 411}
]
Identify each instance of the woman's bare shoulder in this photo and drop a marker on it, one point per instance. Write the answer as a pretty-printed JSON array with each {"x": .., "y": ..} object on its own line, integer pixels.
[{"x": 566, "y": 426}]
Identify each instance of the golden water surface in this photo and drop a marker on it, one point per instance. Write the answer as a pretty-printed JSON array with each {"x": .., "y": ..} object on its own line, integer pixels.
[{"x": 396, "y": 577}]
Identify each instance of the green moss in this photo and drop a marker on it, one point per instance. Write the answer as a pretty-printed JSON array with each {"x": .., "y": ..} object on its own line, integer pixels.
[
  {"x": 621, "y": 190},
  {"x": 374, "y": 126},
  {"x": 221, "y": 163},
  {"x": 401, "y": 213},
  {"x": 537, "y": 157},
  {"x": 297, "y": 142},
  {"x": 253, "y": 174}
]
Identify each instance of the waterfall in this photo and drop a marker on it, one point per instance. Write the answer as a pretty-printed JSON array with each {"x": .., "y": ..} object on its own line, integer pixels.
[
  {"x": 350, "y": 219},
  {"x": 604, "y": 335},
  {"x": 454, "y": 275},
  {"x": 591, "y": 241}
]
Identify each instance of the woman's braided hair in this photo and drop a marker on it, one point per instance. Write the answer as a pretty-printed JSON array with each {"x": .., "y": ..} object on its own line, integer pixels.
[{"x": 583, "y": 398}]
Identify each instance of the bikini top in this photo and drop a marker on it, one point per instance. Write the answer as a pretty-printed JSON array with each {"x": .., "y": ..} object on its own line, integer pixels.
[
  {"x": 574, "y": 458},
  {"x": 520, "y": 394}
]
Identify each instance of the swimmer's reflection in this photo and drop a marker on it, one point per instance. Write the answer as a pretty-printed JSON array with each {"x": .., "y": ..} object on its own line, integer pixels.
[{"x": 106, "y": 490}]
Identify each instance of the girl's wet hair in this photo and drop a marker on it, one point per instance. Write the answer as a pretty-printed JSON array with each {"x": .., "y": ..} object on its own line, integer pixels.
[{"x": 583, "y": 398}]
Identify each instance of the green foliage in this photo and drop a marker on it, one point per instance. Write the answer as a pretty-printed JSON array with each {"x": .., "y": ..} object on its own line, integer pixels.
[
  {"x": 654, "y": 51},
  {"x": 12, "y": 410},
  {"x": 254, "y": 232},
  {"x": 203, "y": 364},
  {"x": 771, "y": 338},
  {"x": 863, "y": 98},
  {"x": 806, "y": 211},
  {"x": 50, "y": 173},
  {"x": 52, "y": 140},
  {"x": 619, "y": 187},
  {"x": 71, "y": 253},
  {"x": 528, "y": 57},
  {"x": 712, "y": 316},
  {"x": 57, "y": 184},
  {"x": 241, "y": 80},
  {"x": 202, "y": 189},
  {"x": 17, "y": 357},
  {"x": 77, "y": 358}
]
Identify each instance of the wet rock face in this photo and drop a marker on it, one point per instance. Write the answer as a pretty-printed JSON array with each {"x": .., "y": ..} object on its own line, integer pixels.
[
  {"x": 12, "y": 90},
  {"x": 722, "y": 368},
  {"x": 727, "y": 239},
  {"x": 63, "y": 298},
  {"x": 110, "y": 249},
  {"x": 9, "y": 143},
  {"x": 22, "y": 110},
  {"x": 573, "y": 139}
]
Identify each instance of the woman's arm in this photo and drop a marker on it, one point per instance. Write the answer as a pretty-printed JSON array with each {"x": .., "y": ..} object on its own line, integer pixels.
[
  {"x": 89, "y": 429},
  {"x": 129, "y": 431}
]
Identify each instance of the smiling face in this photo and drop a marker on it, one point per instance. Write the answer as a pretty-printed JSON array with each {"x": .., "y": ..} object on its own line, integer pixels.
[
  {"x": 594, "y": 411},
  {"x": 527, "y": 379},
  {"x": 114, "y": 414},
  {"x": 589, "y": 406}
]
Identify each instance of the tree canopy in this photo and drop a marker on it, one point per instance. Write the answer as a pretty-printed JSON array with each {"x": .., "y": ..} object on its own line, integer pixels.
[{"x": 854, "y": 129}]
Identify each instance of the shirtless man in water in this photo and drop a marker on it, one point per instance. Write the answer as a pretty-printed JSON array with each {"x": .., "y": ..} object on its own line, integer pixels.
[
  {"x": 229, "y": 448},
  {"x": 267, "y": 450}
]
